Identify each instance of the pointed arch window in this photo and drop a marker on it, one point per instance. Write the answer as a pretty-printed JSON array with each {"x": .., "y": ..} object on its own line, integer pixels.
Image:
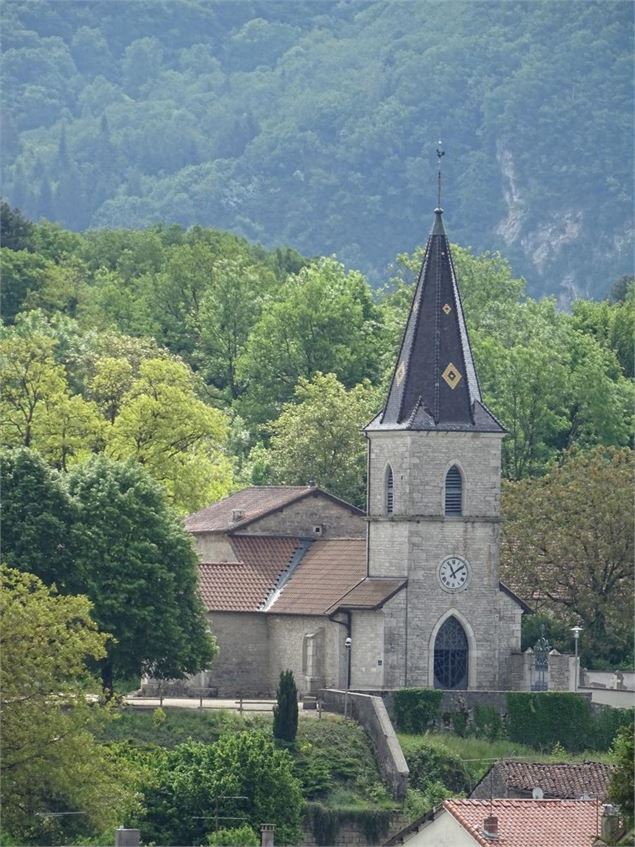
[
  {"x": 390, "y": 491},
  {"x": 453, "y": 492},
  {"x": 451, "y": 656}
]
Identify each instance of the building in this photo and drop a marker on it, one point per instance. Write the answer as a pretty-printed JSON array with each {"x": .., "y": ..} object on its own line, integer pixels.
[
  {"x": 513, "y": 823},
  {"x": 567, "y": 781},
  {"x": 289, "y": 574}
]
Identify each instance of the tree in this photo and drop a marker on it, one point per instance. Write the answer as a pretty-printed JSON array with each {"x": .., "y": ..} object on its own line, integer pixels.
[
  {"x": 621, "y": 788},
  {"x": 319, "y": 436},
  {"x": 37, "y": 407},
  {"x": 140, "y": 571},
  {"x": 285, "y": 712},
  {"x": 163, "y": 425},
  {"x": 568, "y": 547},
  {"x": 195, "y": 788},
  {"x": 15, "y": 230},
  {"x": 50, "y": 760},
  {"x": 37, "y": 520},
  {"x": 324, "y": 320}
]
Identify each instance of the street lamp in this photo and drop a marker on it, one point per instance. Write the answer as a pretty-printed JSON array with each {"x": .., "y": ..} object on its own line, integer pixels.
[
  {"x": 347, "y": 643},
  {"x": 576, "y": 630}
]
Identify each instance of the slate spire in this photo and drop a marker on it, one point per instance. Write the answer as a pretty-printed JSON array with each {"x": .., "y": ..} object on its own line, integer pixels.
[{"x": 434, "y": 384}]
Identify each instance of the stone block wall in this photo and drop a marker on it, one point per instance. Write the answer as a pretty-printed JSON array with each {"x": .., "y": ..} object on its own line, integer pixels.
[
  {"x": 371, "y": 713},
  {"x": 286, "y": 635},
  {"x": 242, "y": 664},
  {"x": 300, "y": 517},
  {"x": 420, "y": 461}
]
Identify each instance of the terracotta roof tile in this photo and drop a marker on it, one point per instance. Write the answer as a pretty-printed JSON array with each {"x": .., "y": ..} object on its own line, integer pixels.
[
  {"x": 370, "y": 593},
  {"x": 530, "y": 823},
  {"x": 243, "y": 586},
  {"x": 329, "y": 569},
  {"x": 252, "y": 502},
  {"x": 560, "y": 780}
]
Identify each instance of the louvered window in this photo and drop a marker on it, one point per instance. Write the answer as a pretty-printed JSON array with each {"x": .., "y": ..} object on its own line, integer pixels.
[
  {"x": 453, "y": 492},
  {"x": 390, "y": 491}
]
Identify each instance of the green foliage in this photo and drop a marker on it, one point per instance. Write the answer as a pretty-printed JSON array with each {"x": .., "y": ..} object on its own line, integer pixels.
[
  {"x": 106, "y": 531},
  {"x": 180, "y": 725},
  {"x": 430, "y": 765},
  {"x": 285, "y": 712},
  {"x": 326, "y": 822},
  {"x": 545, "y": 719},
  {"x": 195, "y": 787},
  {"x": 141, "y": 573},
  {"x": 238, "y": 836},
  {"x": 567, "y": 539},
  {"x": 308, "y": 126},
  {"x": 318, "y": 437},
  {"x": 487, "y": 723},
  {"x": 621, "y": 789},
  {"x": 416, "y": 709},
  {"x": 50, "y": 761}
]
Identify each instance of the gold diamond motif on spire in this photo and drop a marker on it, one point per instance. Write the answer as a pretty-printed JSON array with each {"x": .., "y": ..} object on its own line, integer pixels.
[
  {"x": 452, "y": 375},
  {"x": 446, "y": 308},
  {"x": 401, "y": 372}
]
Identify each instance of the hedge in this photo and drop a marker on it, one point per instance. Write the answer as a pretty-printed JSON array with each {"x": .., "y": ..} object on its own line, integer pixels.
[
  {"x": 416, "y": 708},
  {"x": 545, "y": 719}
]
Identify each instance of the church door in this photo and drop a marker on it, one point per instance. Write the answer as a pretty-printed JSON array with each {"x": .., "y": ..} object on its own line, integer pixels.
[{"x": 450, "y": 656}]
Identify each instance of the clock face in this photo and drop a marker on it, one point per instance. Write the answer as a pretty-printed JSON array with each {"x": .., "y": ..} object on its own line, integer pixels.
[{"x": 454, "y": 573}]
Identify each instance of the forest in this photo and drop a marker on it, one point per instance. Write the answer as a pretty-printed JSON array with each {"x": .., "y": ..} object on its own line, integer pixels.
[
  {"x": 212, "y": 364},
  {"x": 314, "y": 124}
]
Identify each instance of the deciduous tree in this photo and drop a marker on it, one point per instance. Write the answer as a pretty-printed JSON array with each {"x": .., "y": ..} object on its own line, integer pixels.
[
  {"x": 568, "y": 547},
  {"x": 50, "y": 760}
]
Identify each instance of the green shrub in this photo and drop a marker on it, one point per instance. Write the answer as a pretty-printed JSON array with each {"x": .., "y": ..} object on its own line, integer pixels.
[
  {"x": 285, "y": 712},
  {"x": 239, "y": 836},
  {"x": 606, "y": 724},
  {"x": 416, "y": 708},
  {"x": 432, "y": 765},
  {"x": 487, "y": 723}
]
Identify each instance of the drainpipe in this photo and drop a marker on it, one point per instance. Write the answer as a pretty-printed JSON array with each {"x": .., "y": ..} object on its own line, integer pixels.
[{"x": 347, "y": 626}]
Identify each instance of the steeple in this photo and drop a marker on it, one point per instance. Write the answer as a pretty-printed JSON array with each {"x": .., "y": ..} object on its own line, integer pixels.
[{"x": 434, "y": 384}]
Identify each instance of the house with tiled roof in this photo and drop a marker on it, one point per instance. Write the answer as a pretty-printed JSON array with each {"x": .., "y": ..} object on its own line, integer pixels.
[
  {"x": 510, "y": 778},
  {"x": 405, "y": 595},
  {"x": 508, "y": 823}
]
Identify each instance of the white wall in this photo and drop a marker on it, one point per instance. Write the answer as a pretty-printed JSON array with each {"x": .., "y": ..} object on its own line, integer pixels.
[{"x": 444, "y": 831}]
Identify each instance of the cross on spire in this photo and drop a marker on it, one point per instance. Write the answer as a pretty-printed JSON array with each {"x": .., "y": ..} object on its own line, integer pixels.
[{"x": 440, "y": 155}]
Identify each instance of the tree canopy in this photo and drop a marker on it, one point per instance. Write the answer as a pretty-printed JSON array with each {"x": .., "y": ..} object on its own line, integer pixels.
[
  {"x": 114, "y": 539},
  {"x": 50, "y": 762},
  {"x": 568, "y": 547}
]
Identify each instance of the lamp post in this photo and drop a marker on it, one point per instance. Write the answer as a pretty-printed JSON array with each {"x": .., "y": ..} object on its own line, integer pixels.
[
  {"x": 347, "y": 643},
  {"x": 576, "y": 630}
]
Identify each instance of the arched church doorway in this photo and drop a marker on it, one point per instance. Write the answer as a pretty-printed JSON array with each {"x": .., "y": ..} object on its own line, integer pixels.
[{"x": 451, "y": 656}]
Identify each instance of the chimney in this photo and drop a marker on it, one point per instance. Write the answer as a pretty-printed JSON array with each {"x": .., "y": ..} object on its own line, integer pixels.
[
  {"x": 266, "y": 834},
  {"x": 490, "y": 827},
  {"x": 127, "y": 837},
  {"x": 237, "y": 515},
  {"x": 610, "y": 824}
]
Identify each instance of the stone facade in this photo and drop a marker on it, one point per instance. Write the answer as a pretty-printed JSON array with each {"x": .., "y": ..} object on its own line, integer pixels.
[
  {"x": 417, "y": 536},
  {"x": 300, "y": 519}
]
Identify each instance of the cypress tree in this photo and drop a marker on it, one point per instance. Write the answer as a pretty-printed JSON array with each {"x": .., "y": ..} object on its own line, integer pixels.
[{"x": 285, "y": 713}]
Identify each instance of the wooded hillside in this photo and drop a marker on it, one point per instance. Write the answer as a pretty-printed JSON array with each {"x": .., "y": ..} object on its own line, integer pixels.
[{"x": 315, "y": 124}]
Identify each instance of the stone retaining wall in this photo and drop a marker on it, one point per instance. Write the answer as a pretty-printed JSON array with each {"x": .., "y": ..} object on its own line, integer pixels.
[{"x": 371, "y": 713}]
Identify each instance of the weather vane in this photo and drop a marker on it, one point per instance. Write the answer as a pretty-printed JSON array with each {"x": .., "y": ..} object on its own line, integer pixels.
[{"x": 440, "y": 155}]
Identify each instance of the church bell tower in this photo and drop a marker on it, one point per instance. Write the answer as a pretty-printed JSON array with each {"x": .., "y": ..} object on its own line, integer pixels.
[{"x": 434, "y": 455}]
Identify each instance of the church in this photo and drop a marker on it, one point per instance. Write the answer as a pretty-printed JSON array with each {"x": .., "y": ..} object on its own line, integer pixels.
[{"x": 406, "y": 595}]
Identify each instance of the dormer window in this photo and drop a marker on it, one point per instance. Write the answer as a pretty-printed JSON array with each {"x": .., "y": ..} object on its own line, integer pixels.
[
  {"x": 390, "y": 491},
  {"x": 453, "y": 492}
]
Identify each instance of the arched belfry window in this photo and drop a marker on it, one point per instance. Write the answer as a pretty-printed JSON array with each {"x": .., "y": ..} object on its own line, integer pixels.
[
  {"x": 390, "y": 491},
  {"x": 453, "y": 492},
  {"x": 451, "y": 656}
]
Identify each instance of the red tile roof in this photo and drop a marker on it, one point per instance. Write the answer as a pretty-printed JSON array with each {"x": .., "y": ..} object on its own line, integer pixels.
[
  {"x": 243, "y": 586},
  {"x": 371, "y": 593},
  {"x": 252, "y": 504},
  {"x": 329, "y": 570},
  {"x": 530, "y": 823},
  {"x": 558, "y": 780}
]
